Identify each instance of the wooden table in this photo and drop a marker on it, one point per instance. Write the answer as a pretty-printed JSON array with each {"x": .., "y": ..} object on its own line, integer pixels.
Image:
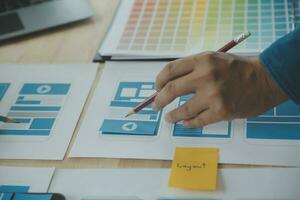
[{"x": 74, "y": 43}]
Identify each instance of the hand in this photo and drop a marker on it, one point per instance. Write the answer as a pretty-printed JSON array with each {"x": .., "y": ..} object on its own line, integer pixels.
[{"x": 225, "y": 87}]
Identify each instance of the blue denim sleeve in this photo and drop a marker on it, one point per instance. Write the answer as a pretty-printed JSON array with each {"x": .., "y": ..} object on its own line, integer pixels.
[{"x": 282, "y": 60}]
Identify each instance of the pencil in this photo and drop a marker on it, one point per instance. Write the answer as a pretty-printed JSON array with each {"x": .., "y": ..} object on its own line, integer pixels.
[
  {"x": 225, "y": 48},
  {"x": 7, "y": 120}
]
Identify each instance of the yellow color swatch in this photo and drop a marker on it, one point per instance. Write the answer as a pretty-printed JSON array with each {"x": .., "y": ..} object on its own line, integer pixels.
[{"x": 194, "y": 168}]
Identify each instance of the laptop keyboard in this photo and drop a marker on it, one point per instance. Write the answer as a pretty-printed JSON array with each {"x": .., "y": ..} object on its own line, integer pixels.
[{"x": 8, "y": 5}]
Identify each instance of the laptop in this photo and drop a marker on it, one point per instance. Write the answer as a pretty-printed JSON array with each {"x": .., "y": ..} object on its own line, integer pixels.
[{"x": 19, "y": 17}]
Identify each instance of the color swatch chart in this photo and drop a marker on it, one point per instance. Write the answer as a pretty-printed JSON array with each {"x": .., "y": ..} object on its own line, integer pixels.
[
  {"x": 129, "y": 95},
  {"x": 218, "y": 130},
  {"x": 36, "y": 108},
  {"x": 186, "y": 25},
  {"x": 282, "y": 122}
]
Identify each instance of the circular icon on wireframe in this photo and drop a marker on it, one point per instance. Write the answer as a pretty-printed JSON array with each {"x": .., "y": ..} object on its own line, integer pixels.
[
  {"x": 129, "y": 126},
  {"x": 43, "y": 89}
]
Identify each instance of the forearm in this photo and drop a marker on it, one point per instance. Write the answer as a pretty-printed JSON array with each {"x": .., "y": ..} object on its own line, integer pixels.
[{"x": 282, "y": 60}]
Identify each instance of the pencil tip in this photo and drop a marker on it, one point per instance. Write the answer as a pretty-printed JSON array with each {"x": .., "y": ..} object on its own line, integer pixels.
[{"x": 129, "y": 114}]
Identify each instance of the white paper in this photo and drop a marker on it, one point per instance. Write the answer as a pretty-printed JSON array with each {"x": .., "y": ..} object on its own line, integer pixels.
[
  {"x": 48, "y": 100},
  {"x": 34, "y": 179},
  {"x": 150, "y": 184},
  {"x": 236, "y": 146},
  {"x": 172, "y": 29}
]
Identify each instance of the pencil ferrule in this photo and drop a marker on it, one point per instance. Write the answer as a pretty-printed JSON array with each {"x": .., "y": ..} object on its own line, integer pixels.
[{"x": 242, "y": 37}]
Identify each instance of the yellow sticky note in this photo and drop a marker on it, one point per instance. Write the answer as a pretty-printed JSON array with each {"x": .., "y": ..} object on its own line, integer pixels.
[{"x": 194, "y": 168}]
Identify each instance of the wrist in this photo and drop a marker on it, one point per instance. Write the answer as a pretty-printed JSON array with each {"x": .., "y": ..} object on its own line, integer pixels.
[{"x": 276, "y": 94}]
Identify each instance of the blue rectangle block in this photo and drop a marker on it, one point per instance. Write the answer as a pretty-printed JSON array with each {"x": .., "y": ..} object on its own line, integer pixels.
[
  {"x": 288, "y": 108},
  {"x": 42, "y": 123},
  {"x": 23, "y": 120},
  {"x": 181, "y": 131},
  {"x": 276, "y": 119},
  {"x": 147, "y": 112},
  {"x": 13, "y": 188},
  {"x": 35, "y": 108},
  {"x": 273, "y": 131},
  {"x": 124, "y": 127},
  {"x": 125, "y": 104},
  {"x": 25, "y": 132},
  {"x": 3, "y": 89},
  {"x": 24, "y": 196},
  {"x": 28, "y": 102},
  {"x": 7, "y": 191},
  {"x": 45, "y": 89}
]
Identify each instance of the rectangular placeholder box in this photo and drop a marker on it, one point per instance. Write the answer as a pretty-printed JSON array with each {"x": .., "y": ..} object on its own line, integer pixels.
[
  {"x": 23, "y": 108},
  {"x": 279, "y": 123},
  {"x": 219, "y": 130},
  {"x": 128, "y": 95}
]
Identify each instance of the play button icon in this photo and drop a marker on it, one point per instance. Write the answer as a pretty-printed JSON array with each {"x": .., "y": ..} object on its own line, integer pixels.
[
  {"x": 129, "y": 126},
  {"x": 43, "y": 89}
]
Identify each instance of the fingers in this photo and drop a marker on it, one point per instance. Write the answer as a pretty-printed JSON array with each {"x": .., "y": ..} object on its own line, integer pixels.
[
  {"x": 173, "y": 89},
  {"x": 203, "y": 119},
  {"x": 173, "y": 70},
  {"x": 188, "y": 110}
]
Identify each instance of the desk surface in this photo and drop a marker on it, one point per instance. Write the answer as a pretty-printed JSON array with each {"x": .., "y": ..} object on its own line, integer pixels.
[{"x": 74, "y": 43}]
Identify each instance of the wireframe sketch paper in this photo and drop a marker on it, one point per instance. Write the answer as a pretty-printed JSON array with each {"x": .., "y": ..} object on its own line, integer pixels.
[
  {"x": 24, "y": 179},
  {"x": 47, "y": 101},
  {"x": 272, "y": 138},
  {"x": 171, "y": 29},
  {"x": 152, "y": 184}
]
